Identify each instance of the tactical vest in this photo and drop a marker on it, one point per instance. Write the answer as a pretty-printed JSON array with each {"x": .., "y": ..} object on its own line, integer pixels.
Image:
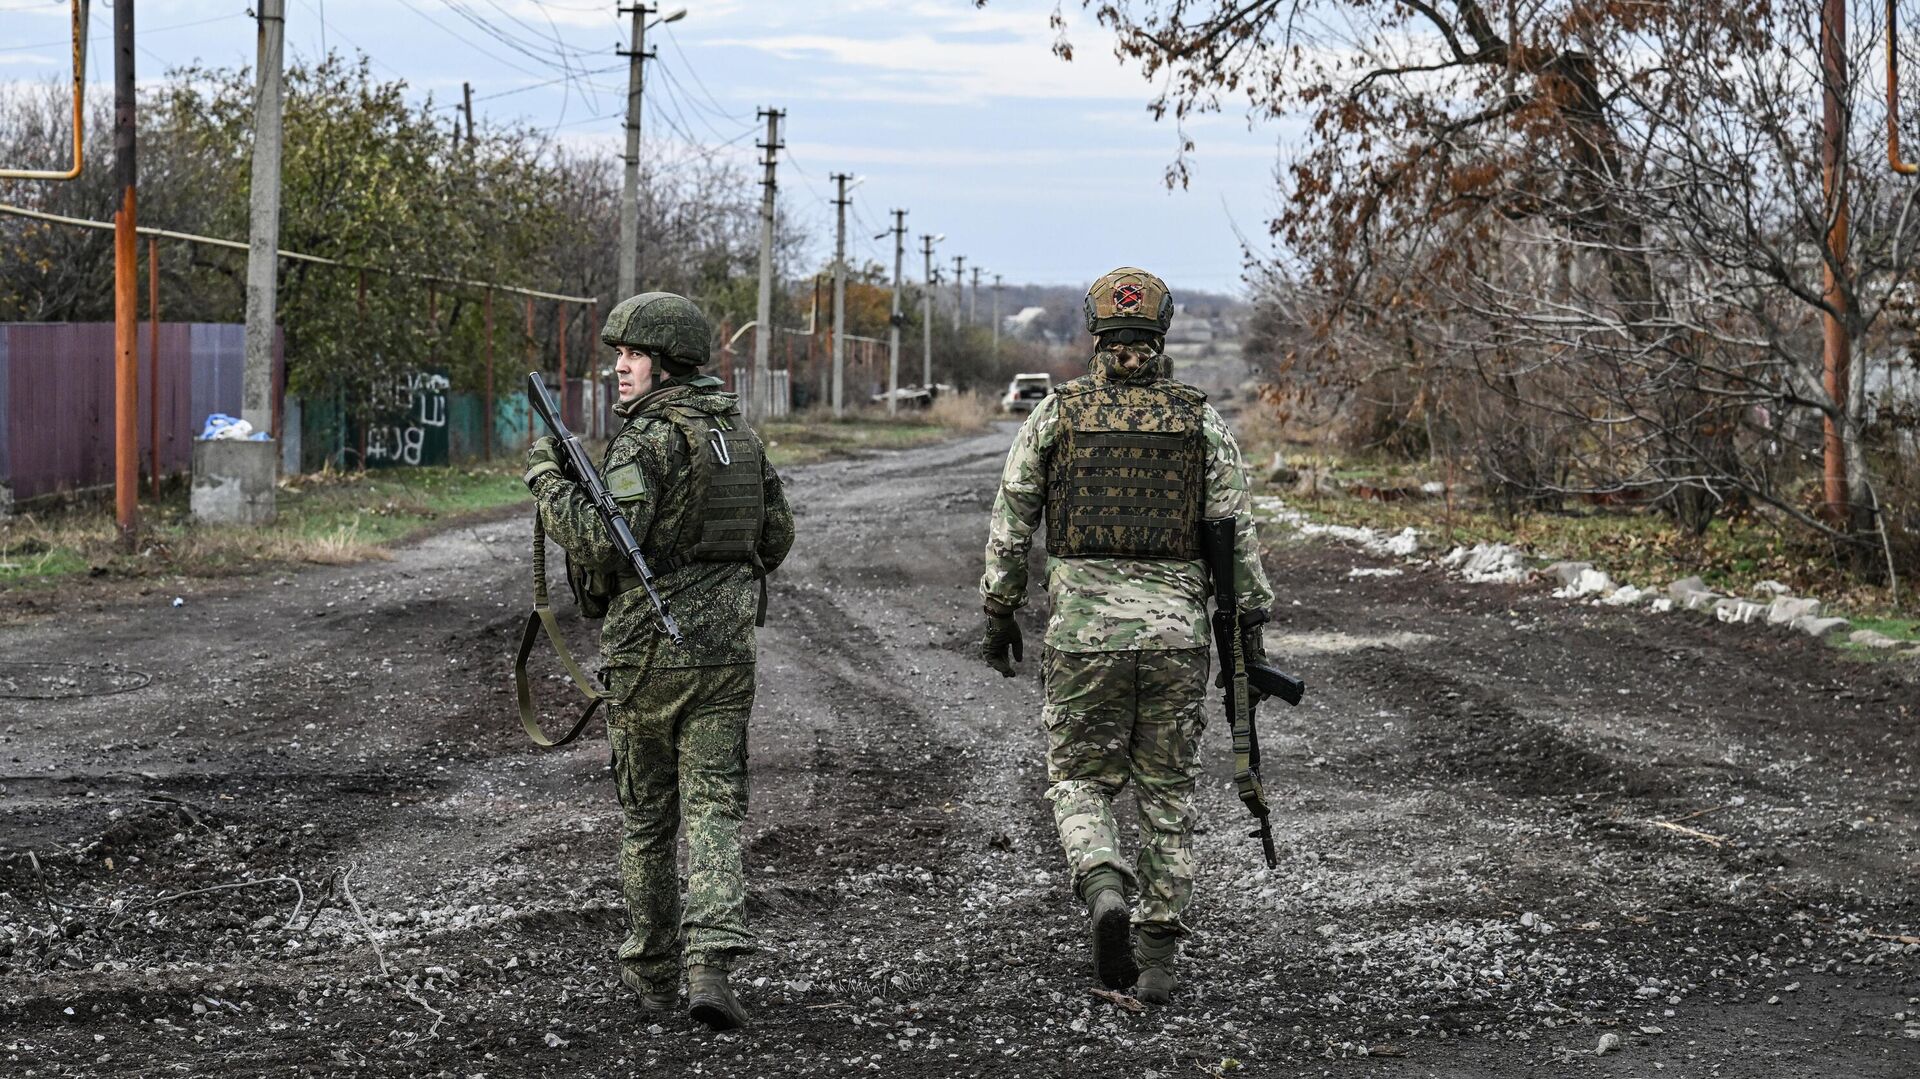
[
  {"x": 1126, "y": 475},
  {"x": 725, "y": 509},
  {"x": 722, "y": 517}
]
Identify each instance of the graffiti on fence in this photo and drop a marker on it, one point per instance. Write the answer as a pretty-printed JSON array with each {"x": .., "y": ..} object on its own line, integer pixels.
[{"x": 409, "y": 425}]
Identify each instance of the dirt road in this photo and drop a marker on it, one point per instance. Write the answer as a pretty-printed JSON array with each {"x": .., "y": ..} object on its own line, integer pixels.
[{"x": 1475, "y": 878}]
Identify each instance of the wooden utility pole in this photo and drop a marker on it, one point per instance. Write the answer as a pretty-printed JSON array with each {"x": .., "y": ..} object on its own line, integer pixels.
[
  {"x": 926, "y": 317},
  {"x": 840, "y": 293},
  {"x": 466, "y": 94},
  {"x": 126, "y": 376},
  {"x": 760, "y": 399},
  {"x": 899, "y": 231},
  {"x": 973, "y": 299},
  {"x": 263, "y": 229},
  {"x": 1837, "y": 343}
]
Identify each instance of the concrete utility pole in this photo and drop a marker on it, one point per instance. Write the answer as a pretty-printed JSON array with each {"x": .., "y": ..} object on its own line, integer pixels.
[
  {"x": 760, "y": 401},
  {"x": 1837, "y": 345},
  {"x": 959, "y": 289},
  {"x": 630, "y": 184},
  {"x": 126, "y": 388},
  {"x": 996, "y": 314},
  {"x": 973, "y": 299},
  {"x": 840, "y": 294},
  {"x": 926, "y": 314},
  {"x": 899, "y": 231},
  {"x": 263, "y": 232}
]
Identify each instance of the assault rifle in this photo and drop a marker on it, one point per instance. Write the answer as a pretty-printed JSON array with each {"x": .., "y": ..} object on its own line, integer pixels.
[
  {"x": 1245, "y": 682},
  {"x": 579, "y": 468}
]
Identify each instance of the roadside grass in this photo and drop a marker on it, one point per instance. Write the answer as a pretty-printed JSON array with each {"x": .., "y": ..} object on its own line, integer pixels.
[
  {"x": 1634, "y": 546},
  {"x": 815, "y": 434},
  {"x": 327, "y": 517}
]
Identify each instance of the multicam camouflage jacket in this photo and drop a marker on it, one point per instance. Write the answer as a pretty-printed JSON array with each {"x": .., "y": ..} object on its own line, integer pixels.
[
  {"x": 714, "y": 602},
  {"x": 1118, "y": 604}
]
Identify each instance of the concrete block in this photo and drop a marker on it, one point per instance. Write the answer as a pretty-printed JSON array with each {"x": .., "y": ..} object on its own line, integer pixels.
[
  {"x": 1737, "y": 611},
  {"x": 1567, "y": 572},
  {"x": 1873, "y": 638},
  {"x": 1786, "y": 609},
  {"x": 1819, "y": 627},
  {"x": 1692, "y": 594},
  {"x": 1772, "y": 588},
  {"x": 233, "y": 481},
  {"x": 6, "y": 501}
]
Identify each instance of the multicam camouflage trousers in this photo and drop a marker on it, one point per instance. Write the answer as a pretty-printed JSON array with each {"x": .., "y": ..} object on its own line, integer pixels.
[
  {"x": 1114, "y": 716},
  {"x": 680, "y": 750}
]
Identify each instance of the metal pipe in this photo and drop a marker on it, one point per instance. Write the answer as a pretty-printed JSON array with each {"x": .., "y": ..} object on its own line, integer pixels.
[
  {"x": 79, "y": 106},
  {"x": 215, "y": 241},
  {"x": 1904, "y": 168},
  {"x": 153, "y": 366}
]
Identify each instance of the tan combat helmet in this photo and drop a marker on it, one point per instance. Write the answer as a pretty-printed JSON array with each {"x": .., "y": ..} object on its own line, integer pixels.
[{"x": 1129, "y": 298}]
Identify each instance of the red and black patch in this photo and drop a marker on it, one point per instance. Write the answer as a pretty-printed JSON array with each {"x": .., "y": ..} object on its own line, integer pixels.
[{"x": 1128, "y": 296}]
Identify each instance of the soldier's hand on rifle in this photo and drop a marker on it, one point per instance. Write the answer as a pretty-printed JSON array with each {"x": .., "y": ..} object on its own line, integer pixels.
[
  {"x": 1002, "y": 637},
  {"x": 543, "y": 456},
  {"x": 1253, "y": 644}
]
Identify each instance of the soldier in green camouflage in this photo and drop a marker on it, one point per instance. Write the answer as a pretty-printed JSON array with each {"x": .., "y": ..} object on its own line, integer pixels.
[
  {"x": 707, "y": 508},
  {"x": 1123, "y": 463}
]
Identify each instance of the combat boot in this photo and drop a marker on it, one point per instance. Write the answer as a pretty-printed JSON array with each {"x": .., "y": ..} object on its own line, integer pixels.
[
  {"x": 711, "y": 1001},
  {"x": 652, "y": 997},
  {"x": 1153, "y": 953},
  {"x": 1112, "y": 946}
]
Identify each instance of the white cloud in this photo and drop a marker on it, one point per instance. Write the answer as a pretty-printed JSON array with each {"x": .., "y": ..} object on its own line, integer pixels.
[{"x": 954, "y": 71}]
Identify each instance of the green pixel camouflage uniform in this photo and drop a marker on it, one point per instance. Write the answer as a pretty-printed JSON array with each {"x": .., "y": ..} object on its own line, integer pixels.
[
  {"x": 678, "y": 713},
  {"x": 1126, "y": 660}
]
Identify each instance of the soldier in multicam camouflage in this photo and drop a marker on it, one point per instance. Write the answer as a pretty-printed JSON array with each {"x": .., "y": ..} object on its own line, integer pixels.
[
  {"x": 1124, "y": 463},
  {"x": 708, "y": 510}
]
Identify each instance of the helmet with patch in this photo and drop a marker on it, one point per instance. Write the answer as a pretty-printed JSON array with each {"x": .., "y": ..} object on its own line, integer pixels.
[
  {"x": 663, "y": 324},
  {"x": 1129, "y": 298}
]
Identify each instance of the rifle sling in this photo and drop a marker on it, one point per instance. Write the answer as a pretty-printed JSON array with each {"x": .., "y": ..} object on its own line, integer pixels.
[{"x": 539, "y": 620}]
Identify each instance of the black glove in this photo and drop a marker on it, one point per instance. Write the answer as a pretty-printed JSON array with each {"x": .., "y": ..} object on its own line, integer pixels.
[
  {"x": 1002, "y": 636},
  {"x": 1253, "y": 645},
  {"x": 543, "y": 457}
]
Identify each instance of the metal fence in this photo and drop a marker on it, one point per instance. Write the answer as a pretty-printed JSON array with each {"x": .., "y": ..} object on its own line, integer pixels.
[{"x": 56, "y": 399}]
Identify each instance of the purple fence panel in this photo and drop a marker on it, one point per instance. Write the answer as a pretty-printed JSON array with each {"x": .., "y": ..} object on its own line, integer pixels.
[{"x": 57, "y": 400}]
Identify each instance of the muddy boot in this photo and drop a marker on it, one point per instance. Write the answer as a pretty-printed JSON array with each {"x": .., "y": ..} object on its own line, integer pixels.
[
  {"x": 1112, "y": 946},
  {"x": 1154, "y": 953},
  {"x": 652, "y": 997},
  {"x": 710, "y": 1001}
]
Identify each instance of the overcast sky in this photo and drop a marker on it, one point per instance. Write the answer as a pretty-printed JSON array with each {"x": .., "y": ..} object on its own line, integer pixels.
[{"x": 1041, "y": 170}]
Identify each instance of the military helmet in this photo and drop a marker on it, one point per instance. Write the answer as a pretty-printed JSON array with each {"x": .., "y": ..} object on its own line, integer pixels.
[
  {"x": 1129, "y": 298},
  {"x": 661, "y": 323}
]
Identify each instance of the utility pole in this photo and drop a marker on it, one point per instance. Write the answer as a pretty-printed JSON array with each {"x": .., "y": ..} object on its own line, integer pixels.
[
  {"x": 973, "y": 299},
  {"x": 1837, "y": 345},
  {"x": 630, "y": 184},
  {"x": 959, "y": 289},
  {"x": 899, "y": 231},
  {"x": 126, "y": 389},
  {"x": 466, "y": 92},
  {"x": 926, "y": 316},
  {"x": 840, "y": 293},
  {"x": 996, "y": 314},
  {"x": 263, "y": 239},
  {"x": 760, "y": 401}
]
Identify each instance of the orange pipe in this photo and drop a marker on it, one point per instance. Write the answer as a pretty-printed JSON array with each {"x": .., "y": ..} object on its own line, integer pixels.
[{"x": 79, "y": 106}]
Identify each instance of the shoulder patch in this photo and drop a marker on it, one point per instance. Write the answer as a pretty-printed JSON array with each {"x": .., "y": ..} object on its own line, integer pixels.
[{"x": 627, "y": 482}]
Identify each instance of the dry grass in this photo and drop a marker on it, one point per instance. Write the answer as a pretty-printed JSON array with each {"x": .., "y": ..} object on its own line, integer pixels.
[
  {"x": 961, "y": 413},
  {"x": 330, "y": 518}
]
